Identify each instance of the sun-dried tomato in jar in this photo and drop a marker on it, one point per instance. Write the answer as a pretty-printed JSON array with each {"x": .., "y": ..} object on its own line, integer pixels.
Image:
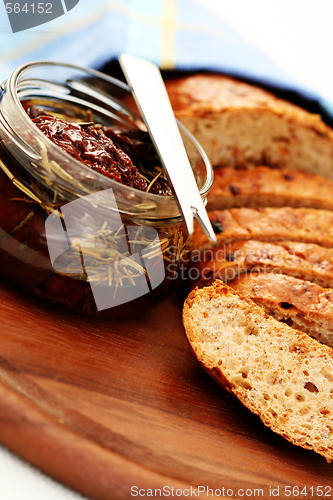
[
  {"x": 109, "y": 150},
  {"x": 87, "y": 218}
]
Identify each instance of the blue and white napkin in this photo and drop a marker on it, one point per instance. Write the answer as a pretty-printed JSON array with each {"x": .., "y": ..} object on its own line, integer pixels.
[{"x": 175, "y": 34}]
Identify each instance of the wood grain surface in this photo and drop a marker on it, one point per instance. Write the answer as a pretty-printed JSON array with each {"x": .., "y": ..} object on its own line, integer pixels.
[{"x": 104, "y": 405}]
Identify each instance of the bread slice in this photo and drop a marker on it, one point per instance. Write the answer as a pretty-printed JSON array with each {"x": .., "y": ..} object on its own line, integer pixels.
[
  {"x": 282, "y": 375},
  {"x": 240, "y": 124},
  {"x": 306, "y": 261},
  {"x": 301, "y": 304},
  {"x": 267, "y": 187},
  {"x": 268, "y": 224}
]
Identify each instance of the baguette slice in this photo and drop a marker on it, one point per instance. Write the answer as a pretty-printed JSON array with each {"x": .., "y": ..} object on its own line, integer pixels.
[
  {"x": 240, "y": 124},
  {"x": 305, "y": 225},
  {"x": 282, "y": 375},
  {"x": 306, "y": 261},
  {"x": 303, "y": 305},
  {"x": 267, "y": 187}
]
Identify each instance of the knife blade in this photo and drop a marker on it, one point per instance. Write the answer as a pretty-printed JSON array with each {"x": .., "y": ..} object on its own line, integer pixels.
[{"x": 146, "y": 83}]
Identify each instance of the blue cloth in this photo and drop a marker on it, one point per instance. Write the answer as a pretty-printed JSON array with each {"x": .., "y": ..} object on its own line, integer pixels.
[{"x": 175, "y": 34}]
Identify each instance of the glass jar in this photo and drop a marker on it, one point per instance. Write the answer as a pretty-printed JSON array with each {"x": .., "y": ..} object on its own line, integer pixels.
[{"x": 68, "y": 233}]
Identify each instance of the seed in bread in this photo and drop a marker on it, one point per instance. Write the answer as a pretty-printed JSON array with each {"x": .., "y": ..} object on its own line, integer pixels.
[
  {"x": 301, "y": 304},
  {"x": 267, "y": 187},
  {"x": 241, "y": 124},
  {"x": 268, "y": 224},
  {"x": 306, "y": 261},
  {"x": 282, "y": 375}
]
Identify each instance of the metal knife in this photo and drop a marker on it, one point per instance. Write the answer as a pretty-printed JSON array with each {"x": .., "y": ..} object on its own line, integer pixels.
[{"x": 151, "y": 97}]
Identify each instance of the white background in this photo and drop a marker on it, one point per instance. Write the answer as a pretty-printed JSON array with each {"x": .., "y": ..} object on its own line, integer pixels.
[{"x": 298, "y": 36}]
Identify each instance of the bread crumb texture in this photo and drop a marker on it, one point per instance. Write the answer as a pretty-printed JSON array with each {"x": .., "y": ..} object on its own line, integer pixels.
[
  {"x": 240, "y": 124},
  {"x": 279, "y": 373}
]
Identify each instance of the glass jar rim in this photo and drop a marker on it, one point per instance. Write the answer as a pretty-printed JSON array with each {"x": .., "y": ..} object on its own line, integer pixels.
[{"x": 12, "y": 85}]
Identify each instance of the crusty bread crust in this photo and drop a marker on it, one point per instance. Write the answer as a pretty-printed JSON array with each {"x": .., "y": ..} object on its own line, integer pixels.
[
  {"x": 306, "y": 261},
  {"x": 209, "y": 93},
  {"x": 240, "y": 124},
  {"x": 267, "y": 187},
  {"x": 282, "y": 375},
  {"x": 301, "y": 304},
  {"x": 268, "y": 224}
]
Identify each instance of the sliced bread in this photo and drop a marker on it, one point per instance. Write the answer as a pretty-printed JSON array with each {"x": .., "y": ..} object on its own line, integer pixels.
[
  {"x": 282, "y": 375},
  {"x": 267, "y": 187},
  {"x": 241, "y": 124},
  {"x": 301, "y": 304},
  {"x": 268, "y": 224},
  {"x": 306, "y": 261}
]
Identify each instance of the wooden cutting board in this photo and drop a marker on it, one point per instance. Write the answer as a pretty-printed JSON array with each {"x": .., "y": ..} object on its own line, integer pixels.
[{"x": 105, "y": 405}]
